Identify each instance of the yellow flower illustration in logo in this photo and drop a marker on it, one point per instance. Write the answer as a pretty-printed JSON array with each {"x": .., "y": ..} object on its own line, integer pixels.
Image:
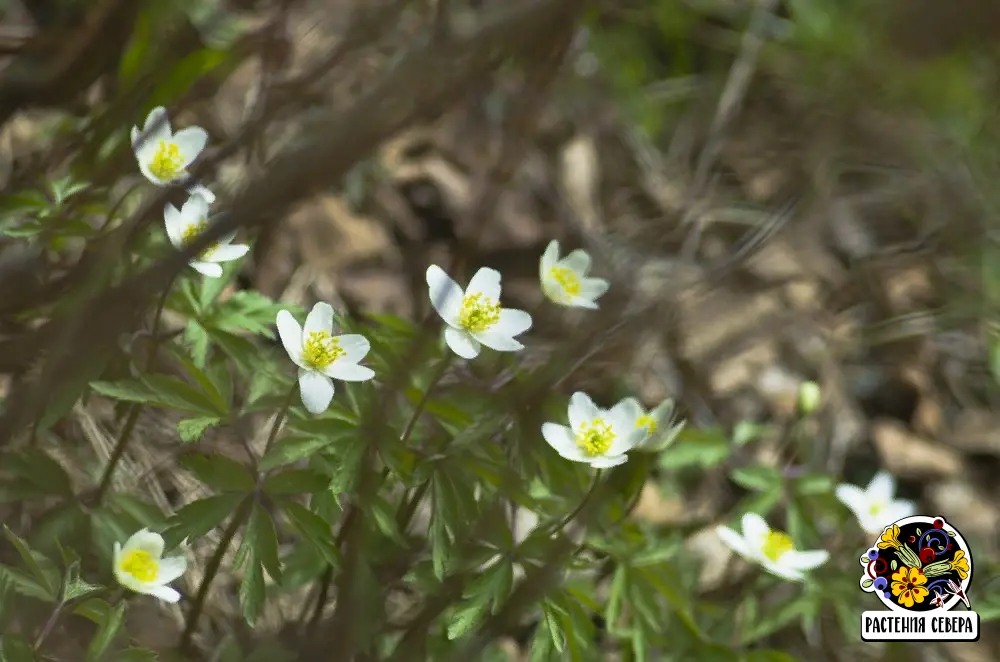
[
  {"x": 908, "y": 585},
  {"x": 889, "y": 538},
  {"x": 960, "y": 564}
]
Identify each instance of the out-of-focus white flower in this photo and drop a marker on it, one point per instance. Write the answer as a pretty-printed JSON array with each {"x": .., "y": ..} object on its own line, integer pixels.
[
  {"x": 140, "y": 566},
  {"x": 876, "y": 506},
  {"x": 202, "y": 191},
  {"x": 599, "y": 437},
  {"x": 565, "y": 281},
  {"x": 474, "y": 317},
  {"x": 772, "y": 550},
  {"x": 810, "y": 397},
  {"x": 657, "y": 424},
  {"x": 164, "y": 156},
  {"x": 184, "y": 226},
  {"x": 322, "y": 356}
]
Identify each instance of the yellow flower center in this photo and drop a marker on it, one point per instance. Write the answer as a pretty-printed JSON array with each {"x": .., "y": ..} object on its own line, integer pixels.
[
  {"x": 776, "y": 545},
  {"x": 567, "y": 279},
  {"x": 141, "y": 565},
  {"x": 648, "y": 422},
  {"x": 320, "y": 350},
  {"x": 875, "y": 508},
  {"x": 595, "y": 437},
  {"x": 478, "y": 312},
  {"x": 167, "y": 162},
  {"x": 191, "y": 232}
]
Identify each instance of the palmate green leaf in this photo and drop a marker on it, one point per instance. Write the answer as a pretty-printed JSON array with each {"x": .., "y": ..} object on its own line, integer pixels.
[
  {"x": 41, "y": 569},
  {"x": 14, "y": 648},
  {"x": 295, "y": 481},
  {"x": 263, "y": 540},
  {"x": 106, "y": 633},
  {"x": 244, "y": 353},
  {"x": 441, "y": 545},
  {"x": 38, "y": 472},
  {"x": 160, "y": 391},
  {"x": 553, "y": 624},
  {"x": 696, "y": 448},
  {"x": 467, "y": 617},
  {"x": 290, "y": 449},
  {"x": 75, "y": 588},
  {"x": 199, "y": 517},
  {"x": 757, "y": 478},
  {"x": 192, "y": 429},
  {"x": 252, "y": 590},
  {"x": 196, "y": 340},
  {"x": 774, "y": 619},
  {"x": 206, "y": 384},
  {"x": 219, "y": 472},
  {"x": 314, "y": 529},
  {"x": 384, "y": 515},
  {"x": 24, "y": 584},
  {"x": 248, "y": 311}
]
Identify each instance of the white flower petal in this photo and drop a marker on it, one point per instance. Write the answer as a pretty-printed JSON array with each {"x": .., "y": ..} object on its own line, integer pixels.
[
  {"x": 134, "y": 135},
  {"x": 355, "y": 346},
  {"x": 560, "y": 438},
  {"x": 781, "y": 570},
  {"x": 755, "y": 531},
  {"x": 164, "y": 593},
  {"x": 882, "y": 488},
  {"x": 174, "y": 224},
  {"x": 445, "y": 294},
  {"x": 549, "y": 259},
  {"x": 580, "y": 302},
  {"x": 195, "y": 210},
  {"x": 320, "y": 318},
  {"x": 171, "y": 568},
  {"x": 190, "y": 142},
  {"x": 202, "y": 192},
  {"x": 608, "y": 461},
  {"x": 497, "y": 340},
  {"x": 628, "y": 411},
  {"x": 663, "y": 413},
  {"x": 486, "y": 281},
  {"x": 346, "y": 371},
  {"x": 581, "y": 410},
  {"x": 626, "y": 438},
  {"x": 512, "y": 322},
  {"x": 578, "y": 261},
  {"x": 592, "y": 288},
  {"x": 461, "y": 343},
  {"x": 854, "y": 498},
  {"x": 291, "y": 335},
  {"x": 209, "y": 269},
  {"x": 316, "y": 391},
  {"x": 157, "y": 120},
  {"x": 802, "y": 561},
  {"x": 147, "y": 541},
  {"x": 227, "y": 252},
  {"x": 735, "y": 542}
]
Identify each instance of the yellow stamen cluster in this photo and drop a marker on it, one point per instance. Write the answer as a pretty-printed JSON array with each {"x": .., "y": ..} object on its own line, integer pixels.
[
  {"x": 167, "y": 162},
  {"x": 191, "y": 232},
  {"x": 141, "y": 565},
  {"x": 875, "y": 509},
  {"x": 320, "y": 350},
  {"x": 567, "y": 279},
  {"x": 595, "y": 438},
  {"x": 478, "y": 312},
  {"x": 648, "y": 422},
  {"x": 776, "y": 545}
]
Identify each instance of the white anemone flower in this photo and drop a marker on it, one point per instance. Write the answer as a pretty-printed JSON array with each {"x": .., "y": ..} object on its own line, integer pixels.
[
  {"x": 773, "y": 550},
  {"x": 599, "y": 437},
  {"x": 184, "y": 226},
  {"x": 322, "y": 356},
  {"x": 203, "y": 191},
  {"x": 657, "y": 424},
  {"x": 474, "y": 317},
  {"x": 876, "y": 506},
  {"x": 565, "y": 282},
  {"x": 164, "y": 156},
  {"x": 140, "y": 566}
]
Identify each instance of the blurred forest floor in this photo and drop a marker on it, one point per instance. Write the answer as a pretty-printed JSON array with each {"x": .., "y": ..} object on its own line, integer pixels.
[{"x": 775, "y": 214}]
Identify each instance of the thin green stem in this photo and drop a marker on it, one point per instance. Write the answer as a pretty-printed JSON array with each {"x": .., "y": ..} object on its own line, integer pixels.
[
  {"x": 419, "y": 409},
  {"x": 583, "y": 503},
  {"x": 212, "y": 569}
]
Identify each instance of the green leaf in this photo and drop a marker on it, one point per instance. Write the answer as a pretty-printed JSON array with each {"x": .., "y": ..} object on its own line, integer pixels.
[
  {"x": 137, "y": 654},
  {"x": 75, "y": 588},
  {"x": 106, "y": 633},
  {"x": 38, "y": 469},
  {"x": 264, "y": 541},
  {"x": 551, "y": 618},
  {"x": 219, "y": 472},
  {"x": 23, "y": 583},
  {"x": 159, "y": 391},
  {"x": 758, "y": 478},
  {"x": 252, "y": 591},
  {"x": 15, "y": 649},
  {"x": 314, "y": 529},
  {"x": 294, "y": 448},
  {"x": 775, "y": 619},
  {"x": 192, "y": 429},
  {"x": 810, "y": 484},
  {"x": 199, "y": 517},
  {"x": 41, "y": 568},
  {"x": 196, "y": 339},
  {"x": 467, "y": 617},
  {"x": 207, "y": 386},
  {"x": 295, "y": 481},
  {"x": 696, "y": 449},
  {"x": 186, "y": 396}
]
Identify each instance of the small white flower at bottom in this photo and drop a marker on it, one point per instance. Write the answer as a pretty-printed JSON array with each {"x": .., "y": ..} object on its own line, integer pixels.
[
  {"x": 474, "y": 317},
  {"x": 772, "y": 550},
  {"x": 599, "y": 437},
  {"x": 164, "y": 156},
  {"x": 876, "y": 506},
  {"x": 140, "y": 566},
  {"x": 322, "y": 356},
  {"x": 184, "y": 226},
  {"x": 565, "y": 282},
  {"x": 657, "y": 424}
]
